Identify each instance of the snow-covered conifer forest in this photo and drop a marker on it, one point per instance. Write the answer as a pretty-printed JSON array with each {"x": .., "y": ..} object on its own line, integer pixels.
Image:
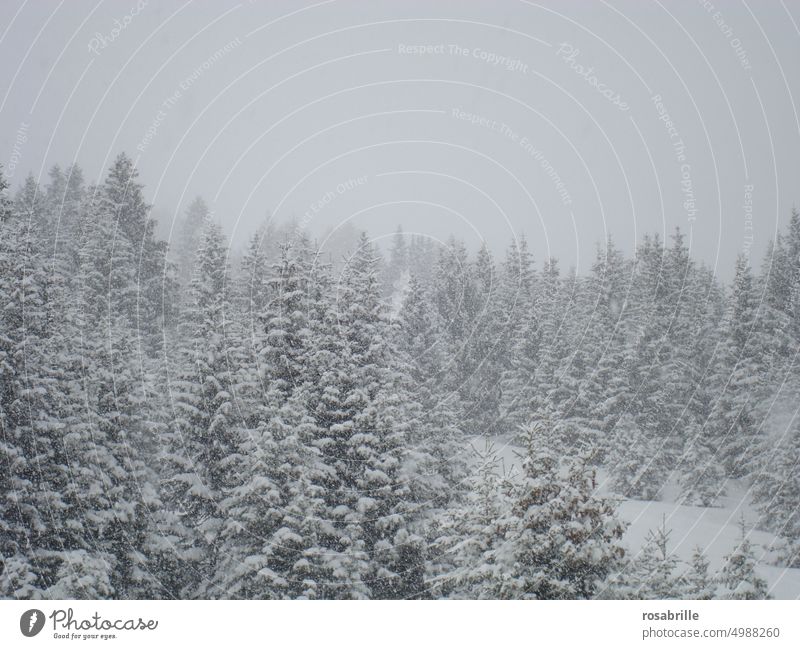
[{"x": 408, "y": 421}]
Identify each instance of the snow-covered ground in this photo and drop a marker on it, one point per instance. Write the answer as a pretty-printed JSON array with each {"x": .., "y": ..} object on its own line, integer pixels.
[{"x": 714, "y": 529}]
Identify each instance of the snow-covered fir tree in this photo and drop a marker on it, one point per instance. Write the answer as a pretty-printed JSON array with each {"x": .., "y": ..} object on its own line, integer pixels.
[
  {"x": 464, "y": 555},
  {"x": 702, "y": 479},
  {"x": 698, "y": 582},
  {"x": 562, "y": 539},
  {"x": 631, "y": 462},
  {"x": 776, "y": 491},
  {"x": 655, "y": 569},
  {"x": 200, "y": 462}
]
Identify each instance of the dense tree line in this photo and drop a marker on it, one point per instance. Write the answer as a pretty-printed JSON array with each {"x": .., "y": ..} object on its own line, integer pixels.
[{"x": 181, "y": 424}]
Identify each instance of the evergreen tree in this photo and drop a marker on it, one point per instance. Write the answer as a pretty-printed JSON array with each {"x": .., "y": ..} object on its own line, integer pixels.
[
  {"x": 200, "y": 462},
  {"x": 738, "y": 577},
  {"x": 472, "y": 533},
  {"x": 634, "y": 472},
  {"x": 121, "y": 200},
  {"x": 30, "y": 205},
  {"x": 483, "y": 350},
  {"x": 655, "y": 569},
  {"x": 563, "y": 539},
  {"x": 24, "y": 518},
  {"x": 373, "y": 498},
  {"x": 518, "y": 384},
  {"x": 285, "y": 325},
  {"x": 453, "y": 292},
  {"x": 42, "y": 520},
  {"x": 519, "y": 324},
  {"x": 66, "y": 198},
  {"x": 329, "y": 384},
  {"x": 736, "y": 379},
  {"x": 421, "y": 258},
  {"x": 116, "y": 388},
  {"x": 253, "y": 290},
  {"x": 188, "y": 240},
  {"x": 702, "y": 481},
  {"x": 5, "y": 203},
  {"x": 439, "y": 452},
  {"x": 397, "y": 268},
  {"x": 776, "y": 491},
  {"x": 696, "y": 580}
]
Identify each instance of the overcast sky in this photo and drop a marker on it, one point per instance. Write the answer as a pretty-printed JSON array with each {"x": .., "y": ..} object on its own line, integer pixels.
[{"x": 562, "y": 120}]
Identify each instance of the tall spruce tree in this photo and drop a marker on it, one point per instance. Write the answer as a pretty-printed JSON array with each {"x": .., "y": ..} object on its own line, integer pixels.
[{"x": 373, "y": 499}]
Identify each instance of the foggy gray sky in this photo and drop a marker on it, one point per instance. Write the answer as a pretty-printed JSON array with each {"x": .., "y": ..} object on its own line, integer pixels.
[{"x": 496, "y": 127}]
